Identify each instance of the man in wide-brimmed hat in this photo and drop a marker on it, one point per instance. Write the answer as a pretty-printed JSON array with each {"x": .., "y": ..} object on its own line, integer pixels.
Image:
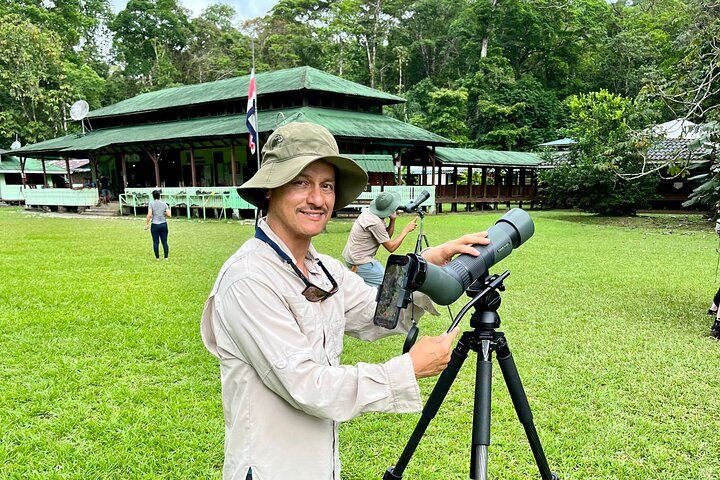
[
  {"x": 369, "y": 232},
  {"x": 278, "y": 311}
]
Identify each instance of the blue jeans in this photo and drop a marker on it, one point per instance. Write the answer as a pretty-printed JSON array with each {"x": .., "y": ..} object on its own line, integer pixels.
[
  {"x": 159, "y": 233},
  {"x": 371, "y": 272}
]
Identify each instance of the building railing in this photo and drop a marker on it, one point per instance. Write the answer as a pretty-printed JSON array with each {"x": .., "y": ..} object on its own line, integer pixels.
[
  {"x": 12, "y": 193},
  {"x": 407, "y": 193},
  {"x": 461, "y": 193},
  {"x": 60, "y": 197},
  {"x": 188, "y": 198}
]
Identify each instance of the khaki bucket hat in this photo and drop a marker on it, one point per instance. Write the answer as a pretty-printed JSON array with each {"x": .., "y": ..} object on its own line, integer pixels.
[
  {"x": 290, "y": 149},
  {"x": 385, "y": 204}
]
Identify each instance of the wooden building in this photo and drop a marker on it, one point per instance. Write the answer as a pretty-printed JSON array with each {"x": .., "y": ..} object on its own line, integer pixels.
[
  {"x": 191, "y": 142},
  {"x": 475, "y": 178}
]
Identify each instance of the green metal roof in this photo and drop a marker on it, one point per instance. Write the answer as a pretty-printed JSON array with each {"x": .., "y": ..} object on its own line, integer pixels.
[
  {"x": 165, "y": 132},
  {"x": 12, "y": 165},
  {"x": 374, "y": 163},
  {"x": 289, "y": 80},
  {"x": 53, "y": 145},
  {"x": 493, "y": 158},
  {"x": 370, "y": 126},
  {"x": 341, "y": 123}
]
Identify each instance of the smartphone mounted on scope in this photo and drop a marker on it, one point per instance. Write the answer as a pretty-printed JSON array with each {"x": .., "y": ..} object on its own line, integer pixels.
[{"x": 402, "y": 273}]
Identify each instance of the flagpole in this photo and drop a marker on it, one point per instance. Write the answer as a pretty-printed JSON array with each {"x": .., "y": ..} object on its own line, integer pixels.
[
  {"x": 252, "y": 122},
  {"x": 257, "y": 117}
]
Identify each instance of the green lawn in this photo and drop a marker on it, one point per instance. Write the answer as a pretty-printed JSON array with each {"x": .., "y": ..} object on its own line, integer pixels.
[{"x": 103, "y": 374}]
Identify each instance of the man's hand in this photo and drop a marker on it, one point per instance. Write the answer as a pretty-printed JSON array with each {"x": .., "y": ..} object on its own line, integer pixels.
[
  {"x": 430, "y": 355},
  {"x": 445, "y": 252},
  {"x": 410, "y": 226}
]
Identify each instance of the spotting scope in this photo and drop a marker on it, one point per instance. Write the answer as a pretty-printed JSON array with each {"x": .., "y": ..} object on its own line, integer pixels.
[
  {"x": 407, "y": 273},
  {"x": 413, "y": 205}
]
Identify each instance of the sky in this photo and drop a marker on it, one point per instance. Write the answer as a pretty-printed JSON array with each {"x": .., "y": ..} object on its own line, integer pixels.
[{"x": 245, "y": 9}]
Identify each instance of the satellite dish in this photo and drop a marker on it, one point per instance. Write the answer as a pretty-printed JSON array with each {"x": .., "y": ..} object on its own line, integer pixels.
[
  {"x": 79, "y": 110},
  {"x": 279, "y": 119},
  {"x": 15, "y": 145}
]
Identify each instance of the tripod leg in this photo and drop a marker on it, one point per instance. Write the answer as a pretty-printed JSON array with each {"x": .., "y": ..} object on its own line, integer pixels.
[
  {"x": 418, "y": 245},
  {"x": 522, "y": 407},
  {"x": 447, "y": 377},
  {"x": 481, "y": 413}
]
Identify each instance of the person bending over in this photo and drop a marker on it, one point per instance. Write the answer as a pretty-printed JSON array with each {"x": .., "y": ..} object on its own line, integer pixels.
[
  {"x": 277, "y": 313},
  {"x": 369, "y": 232}
]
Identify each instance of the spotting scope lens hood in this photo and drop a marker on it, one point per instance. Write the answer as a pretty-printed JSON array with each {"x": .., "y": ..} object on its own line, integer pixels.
[{"x": 445, "y": 284}]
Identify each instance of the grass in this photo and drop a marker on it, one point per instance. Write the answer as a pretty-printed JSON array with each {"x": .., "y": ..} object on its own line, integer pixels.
[{"x": 103, "y": 374}]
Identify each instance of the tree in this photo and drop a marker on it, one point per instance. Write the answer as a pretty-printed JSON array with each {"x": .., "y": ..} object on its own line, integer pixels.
[
  {"x": 425, "y": 41},
  {"x": 289, "y": 36},
  {"x": 509, "y": 114},
  {"x": 445, "y": 112},
  {"x": 689, "y": 87},
  {"x": 34, "y": 91},
  {"x": 151, "y": 36},
  {"x": 369, "y": 22},
  {"x": 216, "y": 49},
  {"x": 594, "y": 177},
  {"x": 76, "y": 22},
  {"x": 640, "y": 38}
]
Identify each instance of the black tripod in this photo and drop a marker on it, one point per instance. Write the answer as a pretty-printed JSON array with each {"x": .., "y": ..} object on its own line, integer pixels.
[
  {"x": 421, "y": 243},
  {"x": 422, "y": 240},
  {"x": 483, "y": 340}
]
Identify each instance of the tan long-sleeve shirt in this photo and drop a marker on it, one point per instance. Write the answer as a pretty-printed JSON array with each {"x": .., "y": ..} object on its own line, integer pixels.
[{"x": 283, "y": 388}]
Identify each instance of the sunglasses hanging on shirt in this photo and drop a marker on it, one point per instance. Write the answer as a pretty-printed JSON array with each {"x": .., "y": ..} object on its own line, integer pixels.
[{"x": 312, "y": 292}]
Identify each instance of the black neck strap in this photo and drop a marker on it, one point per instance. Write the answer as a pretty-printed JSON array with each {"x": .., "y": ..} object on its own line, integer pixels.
[{"x": 261, "y": 235}]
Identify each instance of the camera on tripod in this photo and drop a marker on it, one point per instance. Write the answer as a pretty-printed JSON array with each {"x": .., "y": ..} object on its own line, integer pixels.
[{"x": 405, "y": 274}]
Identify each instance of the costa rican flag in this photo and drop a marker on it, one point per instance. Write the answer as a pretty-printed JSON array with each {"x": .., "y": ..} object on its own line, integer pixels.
[{"x": 251, "y": 120}]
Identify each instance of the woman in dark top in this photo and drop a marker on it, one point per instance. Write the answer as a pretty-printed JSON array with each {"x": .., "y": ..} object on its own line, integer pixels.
[{"x": 158, "y": 213}]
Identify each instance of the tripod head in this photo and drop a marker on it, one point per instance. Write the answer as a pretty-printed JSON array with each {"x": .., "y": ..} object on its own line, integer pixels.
[
  {"x": 485, "y": 316},
  {"x": 486, "y": 300}
]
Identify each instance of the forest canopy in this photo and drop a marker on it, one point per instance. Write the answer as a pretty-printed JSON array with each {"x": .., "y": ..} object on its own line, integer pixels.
[{"x": 494, "y": 74}]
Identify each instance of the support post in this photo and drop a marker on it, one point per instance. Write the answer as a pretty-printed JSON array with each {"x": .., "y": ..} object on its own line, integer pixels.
[
  {"x": 155, "y": 157},
  {"x": 233, "y": 164},
  {"x": 433, "y": 165},
  {"x": 399, "y": 170},
  {"x": 93, "y": 169},
  {"x": 23, "y": 161},
  {"x": 192, "y": 166},
  {"x": 45, "y": 184},
  {"x": 123, "y": 166},
  {"x": 67, "y": 167},
  {"x": 470, "y": 185}
]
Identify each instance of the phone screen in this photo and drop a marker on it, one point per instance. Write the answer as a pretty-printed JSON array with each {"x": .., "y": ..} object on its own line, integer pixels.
[{"x": 392, "y": 292}]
